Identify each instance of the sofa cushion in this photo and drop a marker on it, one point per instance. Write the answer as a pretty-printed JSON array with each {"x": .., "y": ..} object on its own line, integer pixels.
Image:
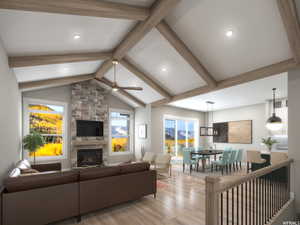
[
  {"x": 39, "y": 180},
  {"x": 29, "y": 171},
  {"x": 94, "y": 173},
  {"x": 134, "y": 167}
]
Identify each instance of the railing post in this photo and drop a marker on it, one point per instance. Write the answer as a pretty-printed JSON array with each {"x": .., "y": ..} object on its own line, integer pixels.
[
  {"x": 212, "y": 200},
  {"x": 289, "y": 181}
]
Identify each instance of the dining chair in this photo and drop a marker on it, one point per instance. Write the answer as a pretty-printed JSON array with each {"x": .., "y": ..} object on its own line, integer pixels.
[
  {"x": 226, "y": 149},
  {"x": 232, "y": 159},
  {"x": 223, "y": 162},
  {"x": 201, "y": 158},
  {"x": 149, "y": 157},
  {"x": 162, "y": 164},
  {"x": 239, "y": 158},
  {"x": 277, "y": 157},
  {"x": 187, "y": 159},
  {"x": 254, "y": 156}
]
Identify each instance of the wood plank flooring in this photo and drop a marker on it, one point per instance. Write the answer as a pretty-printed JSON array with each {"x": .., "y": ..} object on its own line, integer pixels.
[{"x": 180, "y": 200}]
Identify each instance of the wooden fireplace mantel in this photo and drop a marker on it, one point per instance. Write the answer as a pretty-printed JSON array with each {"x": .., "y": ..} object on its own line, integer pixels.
[{"x": 79, "y": 143}]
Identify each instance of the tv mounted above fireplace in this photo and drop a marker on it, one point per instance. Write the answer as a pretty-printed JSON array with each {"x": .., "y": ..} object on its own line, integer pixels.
[{"x": 86, "y": 128}]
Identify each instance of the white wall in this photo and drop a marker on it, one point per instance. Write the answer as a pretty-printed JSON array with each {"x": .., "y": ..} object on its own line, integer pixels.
[
  {"x": 59, "y": 94},
  {"x": 63, "y": 94},
  {"x": 157, "y": 115},
  {"x": 10, "y": 132},
  {"x": 256, "y": 113},
  {"x": 142, "y": 116},
  {"x": 294, "y": 130}
]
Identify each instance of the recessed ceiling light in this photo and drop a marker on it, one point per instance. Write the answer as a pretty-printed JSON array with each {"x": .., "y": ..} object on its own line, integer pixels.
[
  {"x": 229, "y": 33},
  {"x": 164, "y": 69},
  {"x": 76, "y": 36}
]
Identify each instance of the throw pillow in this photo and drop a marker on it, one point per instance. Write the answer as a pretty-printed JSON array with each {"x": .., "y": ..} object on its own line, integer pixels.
[
  {"x": 15, "y": 172},
  {"x": 23, "y": 164}
]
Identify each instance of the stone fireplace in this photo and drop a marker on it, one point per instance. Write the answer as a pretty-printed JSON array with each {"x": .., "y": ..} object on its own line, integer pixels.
[
  {"x": 89, "y": 157},
  {"x": 88, "y": 103}
]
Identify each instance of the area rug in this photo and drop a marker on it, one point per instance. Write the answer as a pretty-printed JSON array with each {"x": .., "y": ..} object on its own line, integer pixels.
[{"x": 161, "y": 185}]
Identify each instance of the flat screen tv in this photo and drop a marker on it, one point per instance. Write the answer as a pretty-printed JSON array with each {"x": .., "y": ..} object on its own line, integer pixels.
[{"x": 86, "y": 128}]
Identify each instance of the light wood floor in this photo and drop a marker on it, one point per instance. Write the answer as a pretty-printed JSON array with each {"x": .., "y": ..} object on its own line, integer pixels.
[{"x": 180, "y": 201}]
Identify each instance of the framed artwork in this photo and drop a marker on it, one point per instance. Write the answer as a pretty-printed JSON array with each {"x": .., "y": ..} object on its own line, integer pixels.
[
  {"x": 234, "y": 132},
  {"x": 222, "y": 136},
  {"x": 240, "y": 132},
  {"x": 142, "y": 131}
]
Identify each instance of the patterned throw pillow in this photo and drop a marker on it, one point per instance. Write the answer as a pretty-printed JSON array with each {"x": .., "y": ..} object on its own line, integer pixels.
[
  {"x": 23, "y": 164},
  {"x": 15, "y": 172}
]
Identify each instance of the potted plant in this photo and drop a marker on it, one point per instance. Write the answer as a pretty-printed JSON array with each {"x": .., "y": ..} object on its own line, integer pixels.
[
  {"x": 269, "y": 142},
  {"x": 32, "y": 142}
]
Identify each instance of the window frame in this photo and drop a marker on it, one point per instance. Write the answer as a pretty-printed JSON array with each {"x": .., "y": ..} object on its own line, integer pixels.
[
  {"x": 26, "y": 111},
  {"x": 186, "y": 119},
  {"x": 130, "y": 135}
]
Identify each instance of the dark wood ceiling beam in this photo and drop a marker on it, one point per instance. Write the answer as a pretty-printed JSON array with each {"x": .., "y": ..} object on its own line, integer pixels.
[
  {"x": 158, "y": 11},
  {"x": 186, "y": 53},
  {"x": 94, "y": 8},
  {"x": 127, "y": 63},
  {"x": 257, "y": 74},
  {"x": 37, "y": 60},
  {"x": 54, "y": 82},
  {"x": 288, "y": 12}
]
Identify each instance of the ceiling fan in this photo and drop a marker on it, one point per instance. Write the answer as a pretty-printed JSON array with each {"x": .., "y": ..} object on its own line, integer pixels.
[{"x": 115, "y": 86}]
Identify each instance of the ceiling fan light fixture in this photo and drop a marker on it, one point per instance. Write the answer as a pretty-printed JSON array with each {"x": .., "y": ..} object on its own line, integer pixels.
[{"x": 115, "y": 62}]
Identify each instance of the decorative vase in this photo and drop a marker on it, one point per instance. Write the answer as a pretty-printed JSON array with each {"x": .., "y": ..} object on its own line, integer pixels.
[{"x": 269, "y": 147}]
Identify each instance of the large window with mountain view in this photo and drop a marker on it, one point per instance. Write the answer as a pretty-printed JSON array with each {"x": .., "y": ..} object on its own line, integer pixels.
[
  {"x": 48, "y": 119},
  {"x": 180, "y": 133},
  {"x": 121, "y": 128}
]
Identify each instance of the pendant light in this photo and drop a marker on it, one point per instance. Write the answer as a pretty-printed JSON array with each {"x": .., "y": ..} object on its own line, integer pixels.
[
  {"x": 274, "y": 123},
  {"x": 207, "y": 130}
]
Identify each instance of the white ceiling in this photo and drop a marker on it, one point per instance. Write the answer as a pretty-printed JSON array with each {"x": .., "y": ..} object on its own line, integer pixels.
[
  {"x": 118, "y": 95},
  {"x": 251, "y": 93},
  {"x": 154, "y": 53},
  {"x": 33, "y": 73},
  {"x": 126, "y": 78},
  {"x": 26, "y": 33},
  {"x": 259, "y": 38}
]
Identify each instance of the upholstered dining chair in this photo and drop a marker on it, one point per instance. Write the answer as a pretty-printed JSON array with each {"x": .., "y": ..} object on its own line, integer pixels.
[
  {"x": 223, "y": 162},
  {"x": 149, "y": 157},
  {"x": 254, "y": 157},
  {"x": 239, "y": 158},
  {"x": 232, "y": 159},
  {"x": 188, "y": 160},
  {"x": 277, "y": 157},
  {"x": 162, "y": 164}
]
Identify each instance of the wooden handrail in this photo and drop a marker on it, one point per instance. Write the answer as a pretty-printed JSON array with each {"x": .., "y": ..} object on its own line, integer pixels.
[
  {"x": 258, "y": 173},
  {"x": 275, "y": 195}
]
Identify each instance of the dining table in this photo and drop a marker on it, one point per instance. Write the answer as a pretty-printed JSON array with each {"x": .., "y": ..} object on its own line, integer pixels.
[{"x": 207, "y": 152}]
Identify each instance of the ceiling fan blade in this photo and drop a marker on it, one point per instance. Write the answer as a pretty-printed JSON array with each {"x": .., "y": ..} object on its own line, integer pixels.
[{"x": 132, "y": 88}]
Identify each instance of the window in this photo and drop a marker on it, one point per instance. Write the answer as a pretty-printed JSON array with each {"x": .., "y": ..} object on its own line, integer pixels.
[
  {"x": 121, "y": 125},
  {"x": 180, "y": 133},
  {"x": 47, "y": 118}
]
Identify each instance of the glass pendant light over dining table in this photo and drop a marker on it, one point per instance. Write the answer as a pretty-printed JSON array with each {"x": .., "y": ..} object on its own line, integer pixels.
[
  {"x": 274, "y": 123},
  {"x": 207, "y": 130}
]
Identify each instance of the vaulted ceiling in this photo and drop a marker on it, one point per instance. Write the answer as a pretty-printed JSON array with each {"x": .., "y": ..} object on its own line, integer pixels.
[{"x": 173, "y": 49}]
